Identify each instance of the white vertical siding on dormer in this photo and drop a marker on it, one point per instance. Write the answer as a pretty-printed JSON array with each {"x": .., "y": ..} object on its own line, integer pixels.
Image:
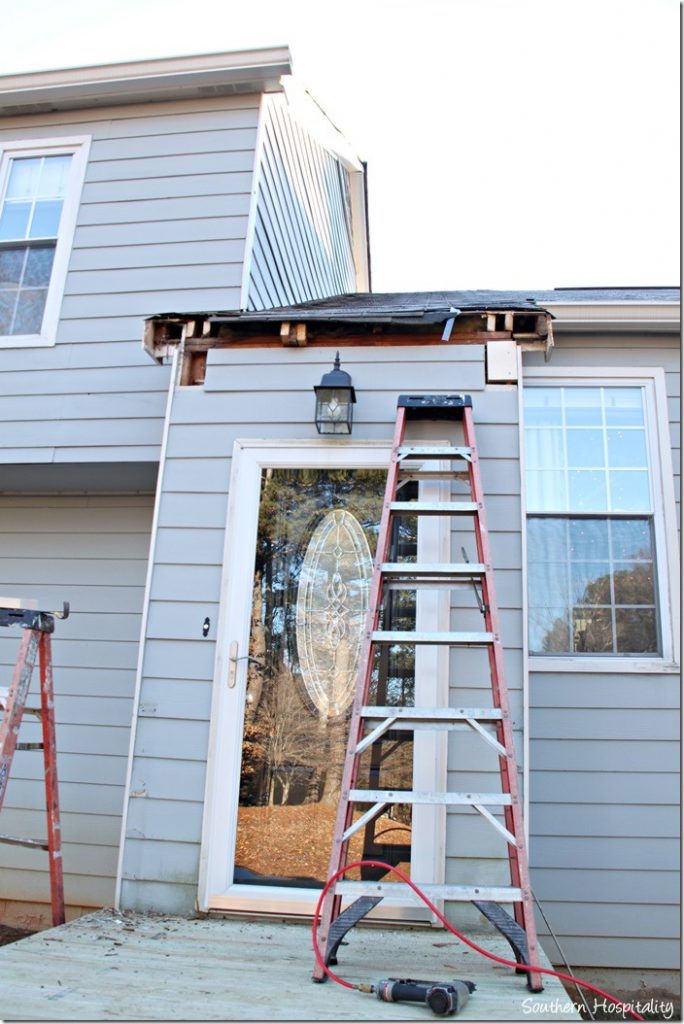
[{"x": 303, "y": 242}]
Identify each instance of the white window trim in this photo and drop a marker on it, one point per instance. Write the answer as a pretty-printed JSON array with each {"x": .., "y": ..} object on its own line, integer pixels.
[
  {"x": 79, "y": 147},
  {"x": 216, "y": 891},
  {"x": 652, "y": 379}
]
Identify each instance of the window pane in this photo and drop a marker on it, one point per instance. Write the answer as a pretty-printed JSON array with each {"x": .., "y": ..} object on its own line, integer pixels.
[
  {"x": 592, "y": 630},
  {"x": 8, "y": 301},
  {"x": 585, "y": 448},
  {"x": 587, "y": 491},
  {"x": 624, "y": 407},
  {"x": 548, "y": 584},
  {"x": 544, "y": 449},
  {"x": 627, "y": 448},
  {"x": 549, "y": 631},
  {"x": 54, "y": 176},
  {"x": 542, "y": 407},
  {"x": 582, "y": 406},
  {"x": 23, "y": 178},
  {"x": 545, "y": 491},
  {"x": 636, "y": 631},
  {"x": 629, "y": 491},
  {"x": 634, "y": 583},
  {"x": 39, "y": 265},
  {"x": 632, "y": 539},
  {"x": 46, "y": 215},
  {"x": 30, "y": 308},
  {"x": 11, "y": 266},
  {"x": 547, "y": 540},
  {"x": 591, "y": 582},
  {"x": 589, "y": 540},
  {"x": 607, "y": 571},
  {"x": 14, "y": 220}
]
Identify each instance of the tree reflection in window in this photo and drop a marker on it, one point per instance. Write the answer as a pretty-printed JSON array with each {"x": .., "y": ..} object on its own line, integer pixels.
[
  {"x": 292, "y": 751},
  {"x": 592, "y": 586}
]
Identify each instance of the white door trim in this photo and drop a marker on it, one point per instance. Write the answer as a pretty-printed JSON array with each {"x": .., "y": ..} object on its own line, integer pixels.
[{"x": 216, "y": 889}]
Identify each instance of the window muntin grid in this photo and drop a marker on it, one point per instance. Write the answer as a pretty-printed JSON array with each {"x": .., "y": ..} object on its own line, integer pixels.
[
  {"x": 29, "y": 226},
  {"x": 591, "y": 550},
  {"x": 585, "y": 450}
]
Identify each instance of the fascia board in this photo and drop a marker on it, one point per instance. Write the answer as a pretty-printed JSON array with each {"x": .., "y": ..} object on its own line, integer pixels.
[
  {"x": 618, "y": 315},
  {"x": 173, "y": 78}
]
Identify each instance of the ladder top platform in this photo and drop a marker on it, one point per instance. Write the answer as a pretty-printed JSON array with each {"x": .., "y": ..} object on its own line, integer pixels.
[{"x": 434, "y": 407}]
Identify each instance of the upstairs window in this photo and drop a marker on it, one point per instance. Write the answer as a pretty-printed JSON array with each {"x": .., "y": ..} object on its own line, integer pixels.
[
  {"x": 592, "y": 575},
  {"x": 39, "y": 190}
]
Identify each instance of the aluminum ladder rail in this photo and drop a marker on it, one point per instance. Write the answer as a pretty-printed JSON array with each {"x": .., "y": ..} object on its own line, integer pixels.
[
  {"x": 35, "y": 646},
  {"x": 368, "y": 723}
]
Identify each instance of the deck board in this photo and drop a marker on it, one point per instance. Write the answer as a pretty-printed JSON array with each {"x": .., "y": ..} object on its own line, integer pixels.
[{"x": 124, "y": 966}]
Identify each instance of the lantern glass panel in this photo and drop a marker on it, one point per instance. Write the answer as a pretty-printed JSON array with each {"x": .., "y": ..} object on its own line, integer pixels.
[{"x": 333, "y": 410}]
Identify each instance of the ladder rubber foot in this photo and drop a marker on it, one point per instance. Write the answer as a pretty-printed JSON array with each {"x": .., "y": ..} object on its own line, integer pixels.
[
  {"x": 346, "y": 921},
  {"x": 513, "y": 933}
]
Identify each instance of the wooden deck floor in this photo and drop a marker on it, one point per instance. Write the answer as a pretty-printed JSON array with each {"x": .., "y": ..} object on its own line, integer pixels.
[{"x": 123, "y": 966}]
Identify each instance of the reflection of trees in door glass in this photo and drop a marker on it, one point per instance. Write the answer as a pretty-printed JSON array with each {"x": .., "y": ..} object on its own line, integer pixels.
[{"x": 293, "y": 752}]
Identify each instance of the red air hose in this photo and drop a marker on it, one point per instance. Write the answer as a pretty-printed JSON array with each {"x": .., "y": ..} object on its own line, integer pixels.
[{"x": 454, "y": 931}]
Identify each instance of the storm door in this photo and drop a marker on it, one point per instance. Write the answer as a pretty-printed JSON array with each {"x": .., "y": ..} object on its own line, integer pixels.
[{"x": 291, "y": 678}]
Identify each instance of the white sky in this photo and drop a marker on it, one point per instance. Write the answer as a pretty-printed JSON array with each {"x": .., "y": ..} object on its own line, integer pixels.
[{"x": 510, "y": 143}]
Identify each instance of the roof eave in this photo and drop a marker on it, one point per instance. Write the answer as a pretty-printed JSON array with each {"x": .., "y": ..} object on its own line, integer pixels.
[
  {"x": 240, "y": 71},
  {"x": 615, "y": 316}
]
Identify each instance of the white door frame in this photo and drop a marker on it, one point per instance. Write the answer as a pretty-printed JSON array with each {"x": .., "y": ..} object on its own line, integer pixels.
[{"x": 216, "y": 888}]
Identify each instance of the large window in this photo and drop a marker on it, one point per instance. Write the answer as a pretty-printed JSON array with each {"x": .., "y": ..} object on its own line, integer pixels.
[
  {"x": 39, "y": 191},
  {"x": 592, "y": 577}
]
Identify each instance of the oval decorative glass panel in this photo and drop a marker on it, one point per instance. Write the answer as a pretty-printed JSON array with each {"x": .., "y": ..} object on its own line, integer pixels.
[{"x": 332, "y": 599}]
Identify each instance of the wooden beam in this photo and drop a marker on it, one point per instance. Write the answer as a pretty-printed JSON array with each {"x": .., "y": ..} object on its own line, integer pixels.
[{"x": 293, "y": 334}]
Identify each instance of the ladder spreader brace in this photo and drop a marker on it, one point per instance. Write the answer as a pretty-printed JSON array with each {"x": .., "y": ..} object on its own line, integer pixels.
[
  {"x": 368, "y": 723},
  {"x": 35, "y": 645}
]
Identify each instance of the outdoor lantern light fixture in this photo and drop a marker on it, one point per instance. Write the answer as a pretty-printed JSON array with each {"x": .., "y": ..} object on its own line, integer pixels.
[{"x": 335, "y": 398}]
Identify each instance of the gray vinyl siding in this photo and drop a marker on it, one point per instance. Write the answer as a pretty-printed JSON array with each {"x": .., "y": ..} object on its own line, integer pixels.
[
  {"x": 267, "y": 393},
  {"x": 605, "y": 764},
  {"x": 161, "y": 226},
  {"x": 91, "y": 551},
  {"x": 302, "y": 241}
]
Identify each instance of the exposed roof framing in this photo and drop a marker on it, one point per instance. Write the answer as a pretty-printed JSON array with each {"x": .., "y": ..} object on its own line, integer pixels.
[
  {"x": 529, "y": 326},
  {"x": 395, "y": 318}
]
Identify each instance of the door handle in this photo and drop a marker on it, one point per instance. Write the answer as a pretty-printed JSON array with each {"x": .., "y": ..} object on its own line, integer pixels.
[{"x": 233, "y": 662}]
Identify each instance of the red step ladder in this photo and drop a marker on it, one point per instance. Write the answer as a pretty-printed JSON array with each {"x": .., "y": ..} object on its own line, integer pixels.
[
  {"x": 35, "y": 646},
  {"x": 493, "y": 724}
]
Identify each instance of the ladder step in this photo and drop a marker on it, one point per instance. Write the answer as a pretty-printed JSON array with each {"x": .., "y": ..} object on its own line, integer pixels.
[
  {"x": 29, "y": 746},
  {"x": 411, "y": 714},
  {"x": 457, "y": 893},
  {"x": 440, "y": 570},
  {"x": 406, "y": 472},
  {"x": 410, "y": 451},
  {"x": 408, "y": 796},
  {"x": 35, "y": 844},
  {"x": 434, "y": 508},
  {"x": 387, "y": 636}
]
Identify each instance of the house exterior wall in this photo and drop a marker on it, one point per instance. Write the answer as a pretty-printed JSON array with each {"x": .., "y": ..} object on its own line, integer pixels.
[
  {"x": 267, "y": 393},
  {"x": 161, "y": 225},
  {"x": 303, "y": 244},
  {"x": 91, "y": 551},
  {"x": 605, "y": 760}
]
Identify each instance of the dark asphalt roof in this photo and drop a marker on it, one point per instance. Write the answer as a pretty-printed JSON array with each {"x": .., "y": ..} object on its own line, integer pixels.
[{"x": 435, "y": 307}]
